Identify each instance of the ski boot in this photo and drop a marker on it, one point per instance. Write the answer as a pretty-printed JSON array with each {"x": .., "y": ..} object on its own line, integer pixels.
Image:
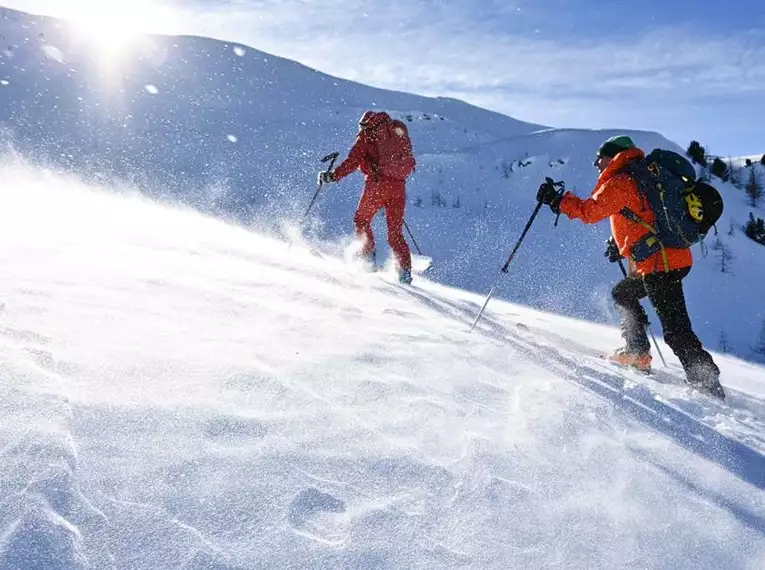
[
  {"x": 639, "y": 361},
  {"x": 405, "y": 276},
  {"x": 368, "y": 261},
  {"x": 705, "y": 378}
]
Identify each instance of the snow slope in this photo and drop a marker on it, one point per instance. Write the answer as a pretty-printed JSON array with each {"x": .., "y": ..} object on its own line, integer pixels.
[
  {"x": 740, "y": 161},
  {"x": 239, "y": 133},
  {"x": 176, "y": 392},
  {"x": 166, "y": 113}
]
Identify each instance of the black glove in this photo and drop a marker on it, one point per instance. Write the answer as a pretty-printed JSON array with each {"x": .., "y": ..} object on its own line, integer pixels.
[
  {"x": 326, "y": 177},
  {"x": 612, "y": 252},
  {"x": 549, "y": 195}
]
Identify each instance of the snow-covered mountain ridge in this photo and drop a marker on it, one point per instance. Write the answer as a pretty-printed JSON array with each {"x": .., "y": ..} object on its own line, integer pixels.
[{"x": 233, "y": 131}]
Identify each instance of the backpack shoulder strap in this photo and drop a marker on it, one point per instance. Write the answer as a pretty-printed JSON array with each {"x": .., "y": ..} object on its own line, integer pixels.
[
  {"x": 638, "y": 170},
  {"x": 633, "y": 217}
]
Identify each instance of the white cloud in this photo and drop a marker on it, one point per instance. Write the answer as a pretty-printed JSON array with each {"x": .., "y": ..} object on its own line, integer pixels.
[
  {"x": 434, "y": 47},
  {"x": 403, "y": 47},
  {"x": 439, "y": 48}
]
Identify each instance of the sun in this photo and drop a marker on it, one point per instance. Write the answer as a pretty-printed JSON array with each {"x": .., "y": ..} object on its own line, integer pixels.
[
  {"x": 105, "y": 33},
  {"x": 115, "y": 27}
]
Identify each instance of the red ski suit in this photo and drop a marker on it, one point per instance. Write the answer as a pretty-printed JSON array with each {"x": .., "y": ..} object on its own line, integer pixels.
[{"x": 379, "y": 192}]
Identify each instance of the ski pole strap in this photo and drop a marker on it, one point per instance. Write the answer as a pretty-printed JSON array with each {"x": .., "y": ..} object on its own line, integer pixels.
[{"x": 704, "y": 248}]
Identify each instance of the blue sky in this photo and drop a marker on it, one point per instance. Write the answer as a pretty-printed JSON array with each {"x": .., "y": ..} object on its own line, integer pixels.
[{"x": 688, "y": 69}]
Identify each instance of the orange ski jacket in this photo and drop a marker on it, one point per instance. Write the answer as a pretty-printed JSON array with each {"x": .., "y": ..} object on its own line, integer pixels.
[{"x": 614, "y": 191}]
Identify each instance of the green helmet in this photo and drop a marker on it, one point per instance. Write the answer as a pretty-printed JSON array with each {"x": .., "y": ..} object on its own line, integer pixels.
[{"x": 614, "y": 146}]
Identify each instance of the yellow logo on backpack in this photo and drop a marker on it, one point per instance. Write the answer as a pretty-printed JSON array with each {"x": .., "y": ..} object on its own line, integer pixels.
[{"x": 695, "y": 207}]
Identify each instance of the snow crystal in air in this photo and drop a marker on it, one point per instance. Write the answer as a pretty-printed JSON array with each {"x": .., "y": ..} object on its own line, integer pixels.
[{"x": 52, "y": 52}]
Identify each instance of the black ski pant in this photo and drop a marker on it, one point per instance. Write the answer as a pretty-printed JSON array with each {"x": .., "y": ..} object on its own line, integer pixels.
[{"x": 665, "y": 291}]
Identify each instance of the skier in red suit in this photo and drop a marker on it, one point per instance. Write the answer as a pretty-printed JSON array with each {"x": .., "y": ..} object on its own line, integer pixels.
[{"x": 383, "y": 152}]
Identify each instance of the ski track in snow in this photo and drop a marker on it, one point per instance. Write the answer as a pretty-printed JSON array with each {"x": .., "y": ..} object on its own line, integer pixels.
[{"x": 178, "y": 393}]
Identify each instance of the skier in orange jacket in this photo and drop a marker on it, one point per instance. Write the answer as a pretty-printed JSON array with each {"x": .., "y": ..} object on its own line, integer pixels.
[{"x": 659, "y": 277}]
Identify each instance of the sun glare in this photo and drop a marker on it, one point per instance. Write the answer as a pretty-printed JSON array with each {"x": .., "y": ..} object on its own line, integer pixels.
[
  {"x": 106, "y": 34},
  {"x": 114, "y": 28}
]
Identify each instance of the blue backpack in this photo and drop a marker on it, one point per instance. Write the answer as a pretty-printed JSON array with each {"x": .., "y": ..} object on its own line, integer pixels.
[{"x": 684, "y": 208}]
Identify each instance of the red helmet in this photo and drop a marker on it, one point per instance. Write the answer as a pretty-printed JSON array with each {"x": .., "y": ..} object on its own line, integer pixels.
[
  {"x": 372, "y": 119},
  {"x": 367, "y": 119}
]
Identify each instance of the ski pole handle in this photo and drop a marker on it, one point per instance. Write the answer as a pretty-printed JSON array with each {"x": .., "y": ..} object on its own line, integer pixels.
[
  {"x": 562, "y": 185},
  {"x": 331, "y": 158}
]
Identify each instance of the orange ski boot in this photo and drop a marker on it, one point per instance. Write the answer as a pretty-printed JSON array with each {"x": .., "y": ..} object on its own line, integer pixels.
[{"x": 640, "y": 362}]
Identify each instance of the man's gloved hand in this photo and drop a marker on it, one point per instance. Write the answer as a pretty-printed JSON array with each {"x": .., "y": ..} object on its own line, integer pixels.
[
  {"x": 326, "y": 177},
  {"x": 550, "y": 195},
  {"x": 612, "y": 252}
]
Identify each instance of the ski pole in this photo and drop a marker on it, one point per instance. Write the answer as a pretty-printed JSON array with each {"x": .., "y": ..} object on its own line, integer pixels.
[
  {"x": 331, "y": 158},
  {"x": 656, "y": 344},
  {"x": 414, "y": 241},
  {"x": 650, "y": 328},
  {"x": 621, "y": 266},
  {"x": 509, "y": 259}
]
